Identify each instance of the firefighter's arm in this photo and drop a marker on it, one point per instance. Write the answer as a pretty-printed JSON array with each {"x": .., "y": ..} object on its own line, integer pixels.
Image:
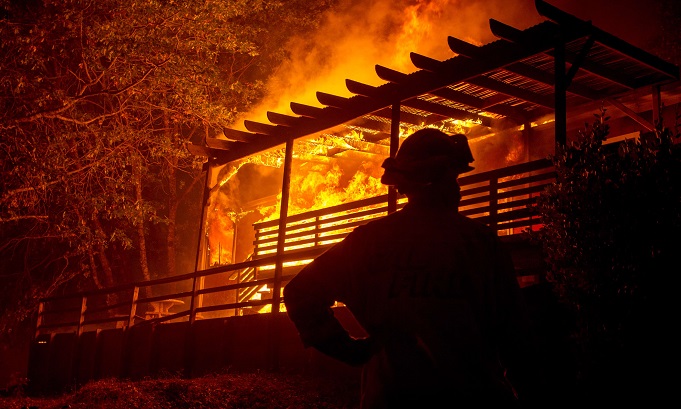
[{"x": 308, "y": 298}]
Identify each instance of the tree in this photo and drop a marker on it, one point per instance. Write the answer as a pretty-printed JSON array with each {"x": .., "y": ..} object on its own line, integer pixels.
[
  {"x": 611, "y": 227},
  {"x": 99, "y": 99}
]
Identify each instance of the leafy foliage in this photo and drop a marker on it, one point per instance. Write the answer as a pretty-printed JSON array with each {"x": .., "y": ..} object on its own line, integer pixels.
[
  {"x": 98, "y": 100},
  {"x": 611, "y": 226}
]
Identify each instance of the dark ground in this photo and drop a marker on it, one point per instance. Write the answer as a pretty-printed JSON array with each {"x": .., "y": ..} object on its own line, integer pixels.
[{"x": 239, "y": 391}]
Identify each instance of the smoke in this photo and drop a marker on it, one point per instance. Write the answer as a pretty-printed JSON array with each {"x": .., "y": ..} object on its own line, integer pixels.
[{"x": 357, "y": 34}]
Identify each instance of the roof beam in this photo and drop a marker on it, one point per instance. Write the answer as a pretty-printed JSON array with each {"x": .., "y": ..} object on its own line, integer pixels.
[
  {"x": 399, "y": 77},
  {"x": 307, "y": 110},
  {"x": 523, "y": 69},
  {"x": 221, "y": 144},
  {"x": 360, "y": 88},
  {"x": 283, "y": 120},
  {"x": 443, "y": 110},
  {"x": 555, "y": 14},
  {"x": 335, "y": 101},
  {"x": 488, "y": 104},
  {"x": 199, "y": 150},
  {"x": 512, "y": 91},
  {"x": 421, "y": 82},
  {"x": 266, "y": 129},
  {"x": 241, "y": 136},
  {"x": 247, "y": 149},
  {"x": 521, "y": 39},
  {"x": 406, "y": 117}
]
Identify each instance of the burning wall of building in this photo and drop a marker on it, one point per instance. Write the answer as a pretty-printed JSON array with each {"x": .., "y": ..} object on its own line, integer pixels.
[{"x": 326, "y": 170}]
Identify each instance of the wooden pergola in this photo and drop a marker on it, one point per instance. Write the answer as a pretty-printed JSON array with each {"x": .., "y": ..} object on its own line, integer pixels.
[{"x": 527, "y": 74}]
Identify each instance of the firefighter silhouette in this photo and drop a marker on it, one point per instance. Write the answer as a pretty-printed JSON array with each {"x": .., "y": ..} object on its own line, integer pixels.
[{"x": 435, "y": 291}]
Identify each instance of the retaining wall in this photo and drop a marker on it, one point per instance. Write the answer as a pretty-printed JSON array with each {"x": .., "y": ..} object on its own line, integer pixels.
[{"x": 63, "y": 361}]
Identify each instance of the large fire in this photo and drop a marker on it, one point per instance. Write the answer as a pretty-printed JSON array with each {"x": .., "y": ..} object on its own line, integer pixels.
[{"x": 328, "y": 169}]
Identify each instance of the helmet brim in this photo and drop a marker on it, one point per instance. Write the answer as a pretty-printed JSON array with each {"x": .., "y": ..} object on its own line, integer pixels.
[{"x": 421, "y": 172}]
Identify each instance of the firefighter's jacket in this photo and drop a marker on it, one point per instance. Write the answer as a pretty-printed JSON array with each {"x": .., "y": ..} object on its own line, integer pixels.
[{"x": 438, "y": 296}]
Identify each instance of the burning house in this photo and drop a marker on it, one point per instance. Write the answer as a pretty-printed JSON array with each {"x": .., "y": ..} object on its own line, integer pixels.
[
  {"x": 280, "y": 191},
  {"x": 510, "y": 97}
]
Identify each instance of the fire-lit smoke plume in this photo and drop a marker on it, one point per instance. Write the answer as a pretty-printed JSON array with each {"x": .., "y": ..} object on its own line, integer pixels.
[{"x": 357, "y": 34}]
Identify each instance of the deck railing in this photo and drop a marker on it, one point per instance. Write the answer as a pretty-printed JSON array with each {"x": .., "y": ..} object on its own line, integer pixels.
[{"x": 504, "y": 199}]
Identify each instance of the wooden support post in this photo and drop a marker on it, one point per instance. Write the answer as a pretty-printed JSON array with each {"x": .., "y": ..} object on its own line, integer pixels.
[
  {"x": 657, "y": 103},
  {"x": 237, "y": 293},
  {"x": 281, "y": 235},
  {"x": 560, "y": 94},
  {"x": 196, "y": 300},
  {"x": 197, "y": 282},
  {"x": 133, "y": 307},
  {"x": 75, "y": 347},
  {"x": 394, "y": 145},
  {"x": 316, "y": 231},
  {"x": 81, "y": 319},
  {"x": 274, "y": 336},
  {"x": 493, "y": 203},
  {"x": 39, "y": 321},
  {"x": 236, "y": 230},
  {"x": 527, "y": 136}
]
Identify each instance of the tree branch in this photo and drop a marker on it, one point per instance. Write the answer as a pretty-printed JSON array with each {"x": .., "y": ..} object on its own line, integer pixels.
[
  {"x": 55, "y": 113},
  {"x": 17, "y": 218}
]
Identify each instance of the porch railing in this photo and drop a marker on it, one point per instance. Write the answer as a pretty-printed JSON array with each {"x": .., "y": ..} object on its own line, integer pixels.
[{"x": 504, "y": 198}]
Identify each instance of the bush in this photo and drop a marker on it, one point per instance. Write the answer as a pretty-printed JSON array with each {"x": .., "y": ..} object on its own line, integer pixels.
[{"x": 611, "y": 226}]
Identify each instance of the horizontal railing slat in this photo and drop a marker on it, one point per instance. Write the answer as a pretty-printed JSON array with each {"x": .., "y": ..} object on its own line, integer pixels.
[
  {"x": 326, "y": 211},
  {"x": 105, "y": 320},
  {"x": 313, "y": 231}
]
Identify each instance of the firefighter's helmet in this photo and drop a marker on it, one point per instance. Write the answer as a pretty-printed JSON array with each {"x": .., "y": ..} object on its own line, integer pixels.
[{"x": 426, "y": 156}]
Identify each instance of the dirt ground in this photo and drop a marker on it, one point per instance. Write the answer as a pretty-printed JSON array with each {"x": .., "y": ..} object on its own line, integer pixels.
[{"x": 220, "y": 391}]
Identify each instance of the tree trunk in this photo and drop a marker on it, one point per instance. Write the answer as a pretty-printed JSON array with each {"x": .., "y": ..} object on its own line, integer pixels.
[
  {"x": 101, "y": 252},
  {"x": 172, "y": 201},
  {"x": 172, "y": 216},
  {"x": 104, "y": 261},
  {"x": 93, "y": 269},
  {"x": 141, "y": 237}
]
